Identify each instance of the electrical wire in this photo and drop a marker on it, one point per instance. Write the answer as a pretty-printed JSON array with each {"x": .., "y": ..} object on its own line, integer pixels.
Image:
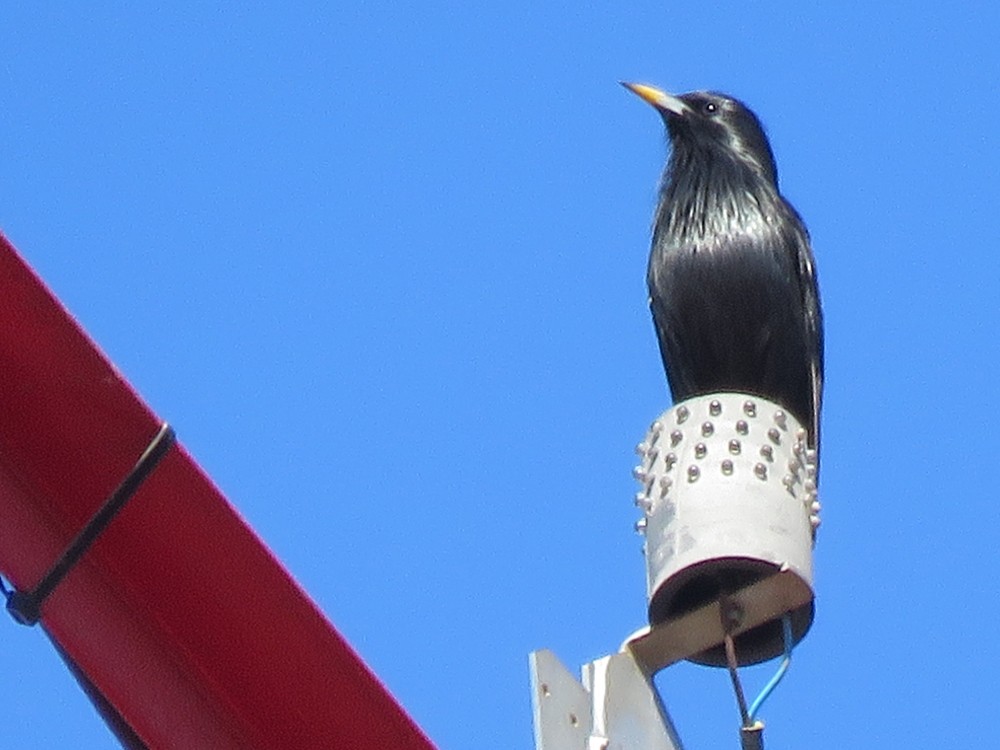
[
  {"x": 786, "y": 631},
  {"x": 734, "y": 675}
]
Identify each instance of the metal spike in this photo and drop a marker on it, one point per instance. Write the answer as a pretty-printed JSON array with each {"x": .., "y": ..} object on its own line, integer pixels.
[
  {"x": 750, "y": 408},
  {"x": 639, "y": 472},
  {"x": 727, "y": 467},
  {"x": 641, "y": 448},
  {"x": 781, "y": 419},
  {"x": 700, "y": 450},
  {"x": 774, "y": 436},
  {"x": 735, "y": 447},
  {"x": 707, "y": 429},
  {"x": 640, "y": 526},
  {"x": 742, "y": 427},
  {"x": 669, "y": 461},
  {"x": 675, "y": 437},
  {"x": 693, "y": 473},
  {"x": 715, "y": 408},
  {"x": 766, "y": 451},
  {"x": 682, "y": 415},
  {"x": 760, "y": 471}
]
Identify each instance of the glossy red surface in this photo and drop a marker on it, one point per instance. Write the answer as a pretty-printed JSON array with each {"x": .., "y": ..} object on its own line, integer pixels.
[{"x": 179, "y": 614}]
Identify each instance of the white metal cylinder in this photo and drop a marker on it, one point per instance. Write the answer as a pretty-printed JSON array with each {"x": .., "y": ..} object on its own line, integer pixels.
[{"x": 728, "y": 497}]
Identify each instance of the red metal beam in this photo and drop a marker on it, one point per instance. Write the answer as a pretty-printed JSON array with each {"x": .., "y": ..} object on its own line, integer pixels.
[{"x": 178, "y": 614}]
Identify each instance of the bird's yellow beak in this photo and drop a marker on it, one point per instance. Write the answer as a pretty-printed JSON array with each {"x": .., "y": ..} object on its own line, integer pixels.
[{"x": 660, "y": 99}]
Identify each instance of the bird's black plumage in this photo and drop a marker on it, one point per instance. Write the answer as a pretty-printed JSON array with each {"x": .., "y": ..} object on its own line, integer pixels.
[{"x": 732, "y": 285}]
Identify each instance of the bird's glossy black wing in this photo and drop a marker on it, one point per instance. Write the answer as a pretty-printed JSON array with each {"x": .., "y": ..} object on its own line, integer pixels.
[
  {"x": 813, "y": 318},
  {"x": 731, "y": 316}
]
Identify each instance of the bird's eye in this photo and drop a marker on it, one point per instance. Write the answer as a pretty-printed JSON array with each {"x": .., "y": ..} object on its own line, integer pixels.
[{"x": 710, "y": 108}]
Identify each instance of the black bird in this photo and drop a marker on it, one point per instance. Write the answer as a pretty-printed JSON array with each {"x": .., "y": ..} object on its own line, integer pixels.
[{"x": 732, "y": 285}]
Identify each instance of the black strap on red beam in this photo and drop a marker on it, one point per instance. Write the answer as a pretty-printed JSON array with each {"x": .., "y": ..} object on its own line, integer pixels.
[{"x": 25, "y": 606}]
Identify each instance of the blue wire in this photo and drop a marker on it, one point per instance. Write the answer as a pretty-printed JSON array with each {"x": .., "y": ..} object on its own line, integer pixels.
[{"x": 786, "y": 631}]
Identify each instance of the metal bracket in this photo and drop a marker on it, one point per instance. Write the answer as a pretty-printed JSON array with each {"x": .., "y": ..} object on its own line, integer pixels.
[
  {"x": 677, "y": 639},
  {"x": 617, "y": 707}
]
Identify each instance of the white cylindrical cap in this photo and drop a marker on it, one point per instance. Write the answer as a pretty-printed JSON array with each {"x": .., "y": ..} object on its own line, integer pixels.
[{"x": 728, "y": 497}]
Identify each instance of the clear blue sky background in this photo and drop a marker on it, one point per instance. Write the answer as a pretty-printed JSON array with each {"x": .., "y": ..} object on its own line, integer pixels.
[{"x": 403, "y": 247}]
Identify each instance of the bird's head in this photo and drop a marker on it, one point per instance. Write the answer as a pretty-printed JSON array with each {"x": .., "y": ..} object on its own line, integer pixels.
[{"x": 712, "y": 125}]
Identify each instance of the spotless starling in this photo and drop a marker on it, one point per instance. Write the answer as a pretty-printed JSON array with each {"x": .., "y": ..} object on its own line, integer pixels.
[{"x": 732, "y": 285}]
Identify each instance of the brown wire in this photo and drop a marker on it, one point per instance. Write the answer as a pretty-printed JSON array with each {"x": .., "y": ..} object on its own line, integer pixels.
[
  {"x": 730, "y": 614},
  {"x": 734, "y": 676}
]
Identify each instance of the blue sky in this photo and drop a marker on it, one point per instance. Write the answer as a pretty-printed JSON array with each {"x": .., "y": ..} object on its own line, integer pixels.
[{"x": 402, "y": 251}]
